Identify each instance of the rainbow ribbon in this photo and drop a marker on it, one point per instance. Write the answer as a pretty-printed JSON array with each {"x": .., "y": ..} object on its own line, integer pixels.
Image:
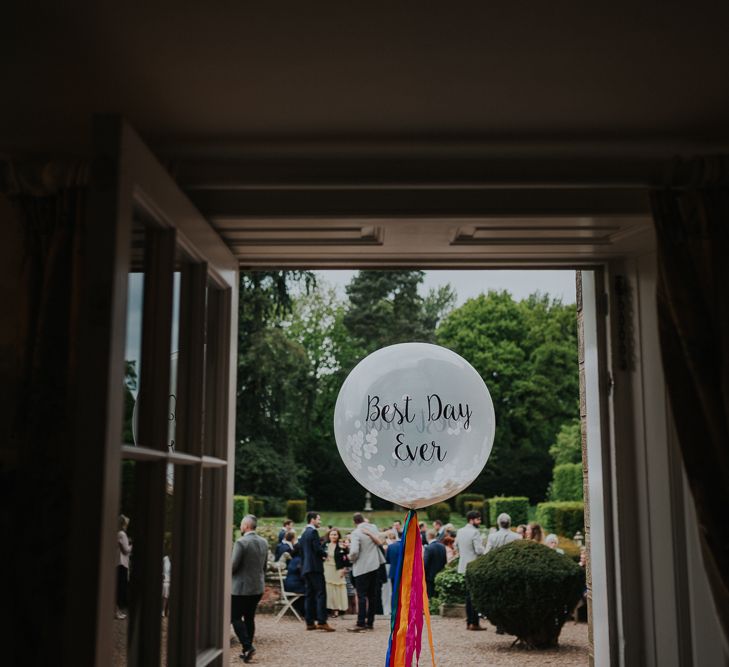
[{"x": 410, "y": 601}]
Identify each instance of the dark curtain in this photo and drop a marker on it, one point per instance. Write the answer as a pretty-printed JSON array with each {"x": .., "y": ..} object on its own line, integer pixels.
[
  {"x": 692, "y": 227},
  {"x": 38, "y": 474}
]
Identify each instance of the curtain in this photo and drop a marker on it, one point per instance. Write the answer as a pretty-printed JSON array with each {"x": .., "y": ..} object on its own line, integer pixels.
[
  {"x": 40, "y": 338},
  {"x": 692, "y": 228}
]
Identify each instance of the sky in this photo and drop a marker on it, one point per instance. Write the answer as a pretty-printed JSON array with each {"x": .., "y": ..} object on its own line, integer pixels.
[{"x": 468, "y": 284}]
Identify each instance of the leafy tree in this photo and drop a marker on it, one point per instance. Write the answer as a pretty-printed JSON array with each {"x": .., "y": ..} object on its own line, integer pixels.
[
  {"x": 385, "y": 308},
  {"x": 567, "y": 448},
  {"x": 527, "y": 353},
  {"x": 272, "y": 385}
]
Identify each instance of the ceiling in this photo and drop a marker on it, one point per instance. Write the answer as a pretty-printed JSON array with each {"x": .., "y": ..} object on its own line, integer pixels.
[
  {"x": 335, "y": 111},
  {"x": 218, "y": 79}
]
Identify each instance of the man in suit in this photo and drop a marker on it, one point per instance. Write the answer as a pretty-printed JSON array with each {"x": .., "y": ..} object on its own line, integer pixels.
[
  {"x": 288, "y": 526},
  {"x": 366, "y": 557},
  {"x": 250, "y": 556},
  {"x": 504, "y": 535},
  {"x": 434, "y": 560},
  {"x": 392, "y": 556},
  {"x": 470, "y": 546},
  {"x": 313, "y": 556},
  {"x": 439, "y": 530}
]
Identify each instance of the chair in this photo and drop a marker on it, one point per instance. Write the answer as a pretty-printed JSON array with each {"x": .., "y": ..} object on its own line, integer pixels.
[{"x": 287, "y": 598}]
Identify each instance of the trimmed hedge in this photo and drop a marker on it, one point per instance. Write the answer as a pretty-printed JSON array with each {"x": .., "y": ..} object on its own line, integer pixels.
[
  {"x": 527, "y": 589},
  {"x": 517, "y": 507},
  {"x": 258, "y": 507},
  {"x": 562, "y": 518},
  {"x": 463, "y": 498},
  {"x": 241, "y": 507},
  {"x": 441, "y": 511},
  {"x": 450, "y": 587},
  {"x": 296, "y": 510},
  {"x": 567, "y": 482}
]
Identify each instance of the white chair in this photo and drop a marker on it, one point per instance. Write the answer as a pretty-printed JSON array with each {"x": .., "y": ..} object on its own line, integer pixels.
[{"x": 287, "y": 598}]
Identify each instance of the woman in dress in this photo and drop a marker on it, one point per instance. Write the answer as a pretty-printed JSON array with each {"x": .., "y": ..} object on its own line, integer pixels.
[
  {"x": 534, "y": 532},
  {"x": 334, "y": 571},
  {"x": 450, "y": 546}
]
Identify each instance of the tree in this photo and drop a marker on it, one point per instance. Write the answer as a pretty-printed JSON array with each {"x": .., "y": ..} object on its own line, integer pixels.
[
  {"x": 272, "y": 384},
  {"x": 567, "y": 447},
  {"x": 385, "y": 308},
  {"x": 527, "y": 353}
]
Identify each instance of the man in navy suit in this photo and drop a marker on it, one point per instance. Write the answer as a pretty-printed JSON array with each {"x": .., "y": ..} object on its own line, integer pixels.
[
  {"x": 434, "y": 560},
  {"x": 313, "y": 556}
]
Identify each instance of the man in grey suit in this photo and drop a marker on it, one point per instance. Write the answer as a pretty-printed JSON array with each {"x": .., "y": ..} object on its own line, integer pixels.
[
  {"x": 470, "y": 547},
  {"x": 366, "y": 555},
  {"x": 250, "y": 556}
]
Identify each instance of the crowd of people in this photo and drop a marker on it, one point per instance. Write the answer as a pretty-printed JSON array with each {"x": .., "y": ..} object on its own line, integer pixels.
[{"x": 354, "y": 574}]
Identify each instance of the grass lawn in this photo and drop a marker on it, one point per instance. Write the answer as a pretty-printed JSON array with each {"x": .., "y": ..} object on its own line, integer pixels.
[{"x": 381, "y": 518}]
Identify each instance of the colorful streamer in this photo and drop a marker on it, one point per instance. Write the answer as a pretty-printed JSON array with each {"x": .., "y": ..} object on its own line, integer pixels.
[{"x": 409, "y": 601}]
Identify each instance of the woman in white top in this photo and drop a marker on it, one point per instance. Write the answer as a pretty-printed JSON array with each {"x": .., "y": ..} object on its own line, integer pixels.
[{"x": 122, "y": 568}]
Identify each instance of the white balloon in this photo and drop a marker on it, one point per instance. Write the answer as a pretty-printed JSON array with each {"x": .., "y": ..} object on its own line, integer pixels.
[{"x": 414, "y": 423}]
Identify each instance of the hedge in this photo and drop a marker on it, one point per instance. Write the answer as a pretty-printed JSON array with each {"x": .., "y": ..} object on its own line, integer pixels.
[
  {"x": 463, "y": 498},
  {"x": 258, "y": 507},
  {"x": 517, "y": 507},
  {"x": 478, "y": 506},
  {"x": 567, "y": 482},
  {"x": 440, "y": 511},
  {"x": 562, "y": 518},
  {"x": 241, "y": 507},
  {"x": 527, "y": 589},
  {"x": 296, "y": 510}
]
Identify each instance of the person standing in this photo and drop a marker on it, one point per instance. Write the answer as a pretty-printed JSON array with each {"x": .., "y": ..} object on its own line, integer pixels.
[
  {"x": 313, "y": 555},
  {"x": 392, "y": 558},
  {"x": 250, "y": 557},
  {"x": 122, "y": 568},
  {"x": 366, "y": 558},
  {"x": 470, "y": 546},
  {"x": 438, "y": 530},
  {"x": 288, "y": 526},
  {"x": 504, "y": 535},
  {"x": 334, "y": 571},
  {"x": 434, "y": 560}
]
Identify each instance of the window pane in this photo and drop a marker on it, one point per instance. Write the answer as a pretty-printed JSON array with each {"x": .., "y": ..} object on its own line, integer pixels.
[{"x": 133, "y": 347}]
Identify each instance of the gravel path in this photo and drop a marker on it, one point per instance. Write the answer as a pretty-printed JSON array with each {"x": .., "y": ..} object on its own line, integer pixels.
[{"x": 288, "y": 643}]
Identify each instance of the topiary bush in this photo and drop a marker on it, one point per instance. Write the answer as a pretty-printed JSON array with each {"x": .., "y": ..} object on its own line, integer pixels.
[
  {"x": 463, "y": 498},
  {"x": 517, "y": 507},
  {"x": 527, "y": 589},
  {"x": 441, "y": 511},
  {"x": 241, "y": 507},
  {"x": 562, "y": 518},
  {"x": 296, "y": 510},
  {"x": 471, "y": 505},
  {"x": 566, "y": 482},
  {"x": 257, "y": 507},
  {"x": 450, "y": 587}
]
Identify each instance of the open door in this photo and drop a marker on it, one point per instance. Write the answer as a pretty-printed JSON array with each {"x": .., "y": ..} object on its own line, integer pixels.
[{"x": 167, "y": 417}]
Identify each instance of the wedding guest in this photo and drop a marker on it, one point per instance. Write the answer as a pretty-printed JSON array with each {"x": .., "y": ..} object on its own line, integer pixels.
[
  {"x": 392, "y": 556},
  {"x": 470, "y": 546},
  {"x": 552, "y": 541},
  {"x": 248, "y": 565},
  {"x": 504, "y": 535},
  {"x": 294, "y": 582},
  {"x": 366, "y": 558},
  {"x": 438, "y": 529},
  {"x": 285, "y": 546},
  {"x": 423, "y": 533},
  {"x": 434, "y": 560},
  {"x": 288, "y": 526},
  {"x": 521, "y": 529},
  {"x": 450, "y": 546},
  {"x": 397, "y": 527},
  {"x": 122, "y": 569},
  {"x": 334, "y": 572},
  {"x": 534, "y": 532},
  {"x": 313, "y": 555}
]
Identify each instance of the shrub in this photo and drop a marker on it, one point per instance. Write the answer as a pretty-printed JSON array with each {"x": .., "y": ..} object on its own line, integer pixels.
[
  {"x": 562, "y": 518},
  {"x": 441, "y": 511},
  {"x": 463, "y": 498},
  {"x": 296, "y": 510},
  {"x": 269, "y": 533},
  {"x": 272, "y": 506},
  {"x": 527, "y": 589},
  {"x": 241, "y": 507},
  {"x": 517, "y": 507},
  {"x": 450, "y": 587},
  {"x": 258, "y": 507},
  {"x": 470, "y": 505},
  {"x": 567, "y": 482}
]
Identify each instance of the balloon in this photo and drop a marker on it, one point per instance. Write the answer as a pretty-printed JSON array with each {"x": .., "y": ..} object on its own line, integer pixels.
[{"x": 414, "y": 423}]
